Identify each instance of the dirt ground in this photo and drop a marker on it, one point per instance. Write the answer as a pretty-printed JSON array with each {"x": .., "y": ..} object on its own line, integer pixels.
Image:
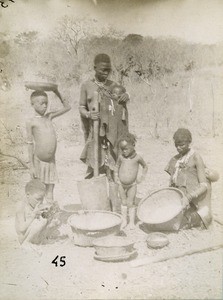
[{"x": 31, "y": 275}]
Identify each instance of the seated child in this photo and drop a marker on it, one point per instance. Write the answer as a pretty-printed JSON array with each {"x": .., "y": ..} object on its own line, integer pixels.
[
  {"x": 126, "y": 176},
  {"x": 42, "y": 141},
  {"x": 32, "y": 216},
  {"x": 187, "y": 171}
]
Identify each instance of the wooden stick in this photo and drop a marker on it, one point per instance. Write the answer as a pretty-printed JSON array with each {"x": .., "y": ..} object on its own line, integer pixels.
[
  {"x": 146, "y": 261},
  {"x": 95, "y": 108},
  {"x": 8, "y": 132}
]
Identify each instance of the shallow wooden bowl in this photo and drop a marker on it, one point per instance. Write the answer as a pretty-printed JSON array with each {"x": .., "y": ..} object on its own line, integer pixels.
[{"x": 157, "y": 240}]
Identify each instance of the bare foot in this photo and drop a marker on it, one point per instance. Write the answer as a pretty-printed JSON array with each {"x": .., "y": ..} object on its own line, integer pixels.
[{"x": 130, "y": 226}]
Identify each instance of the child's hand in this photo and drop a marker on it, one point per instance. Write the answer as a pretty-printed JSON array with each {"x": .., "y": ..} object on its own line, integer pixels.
[
  {"x": 54, "y": 222},
  {"x": 139, "y": 180},
  {"x": 116, "y": 179},
  {"x": 124, "y": 98},
  {"x": 32, "y": 172},
  {"x": 37, "y": 211}
]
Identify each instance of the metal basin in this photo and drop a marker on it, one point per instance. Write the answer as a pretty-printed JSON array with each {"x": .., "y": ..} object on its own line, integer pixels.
[
  {"x": 162, "y": 210},
  {"x": 88, "y": 225}
]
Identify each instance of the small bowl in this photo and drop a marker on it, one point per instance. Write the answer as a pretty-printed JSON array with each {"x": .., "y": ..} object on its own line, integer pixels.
[
  {"x": 113, "y": 246},
  {"x": 157, "y": 240}
]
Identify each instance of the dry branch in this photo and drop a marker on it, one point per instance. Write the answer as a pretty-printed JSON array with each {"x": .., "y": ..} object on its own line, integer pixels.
[
  {"x": 18, "y": 159},
  {"x": 8, "y": 132}
]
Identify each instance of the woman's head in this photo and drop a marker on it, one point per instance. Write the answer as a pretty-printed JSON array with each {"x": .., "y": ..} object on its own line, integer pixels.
[
  {"x": 182, "y": 139},
  {"x": 102, "y": 66}
]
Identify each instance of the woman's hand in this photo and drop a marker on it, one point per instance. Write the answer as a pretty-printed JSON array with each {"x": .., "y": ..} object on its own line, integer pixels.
[
  {"x": 191, "y": 196},
  {"x": 124, "y": 98},
  {"x": 186, "y": 202},
  {"x": 93, "y": 115}
]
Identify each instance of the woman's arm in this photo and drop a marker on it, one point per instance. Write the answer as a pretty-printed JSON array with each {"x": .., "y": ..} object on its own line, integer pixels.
[
  {"x": 83, "y": 109},
  {"x": 201, "y": 179},
  {"x": 83, "y": 103}
]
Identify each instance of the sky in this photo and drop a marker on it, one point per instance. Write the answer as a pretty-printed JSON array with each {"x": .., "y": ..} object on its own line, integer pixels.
[{"x": 199, "y": 21}]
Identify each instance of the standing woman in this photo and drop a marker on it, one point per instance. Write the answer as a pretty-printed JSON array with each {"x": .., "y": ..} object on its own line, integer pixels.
[{"x": 109, "y": 115}]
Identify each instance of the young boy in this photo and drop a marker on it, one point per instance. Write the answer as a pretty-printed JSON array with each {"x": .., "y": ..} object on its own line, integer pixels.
[
  {"x": 187, "y": 171},
  {"x": 126, "y": 176},
  {"x": 31, "y": 215},
  {"x": 42, "y": 141}
]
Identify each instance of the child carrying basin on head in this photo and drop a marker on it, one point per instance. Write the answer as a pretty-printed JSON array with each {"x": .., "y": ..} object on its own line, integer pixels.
[{"x": 42, "y": 141}]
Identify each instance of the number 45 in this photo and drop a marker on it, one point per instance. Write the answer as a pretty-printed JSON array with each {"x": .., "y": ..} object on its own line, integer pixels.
[{"x": 61, "y": 260}]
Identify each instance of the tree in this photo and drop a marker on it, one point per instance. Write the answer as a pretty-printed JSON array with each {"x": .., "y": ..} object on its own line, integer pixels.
[
  {"x": 71, "y": 31},
  {"x": 110, "y": 32}
]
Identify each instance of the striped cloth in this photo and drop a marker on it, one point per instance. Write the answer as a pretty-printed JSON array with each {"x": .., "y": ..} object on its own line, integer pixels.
[{"x": 46, "y": 171}]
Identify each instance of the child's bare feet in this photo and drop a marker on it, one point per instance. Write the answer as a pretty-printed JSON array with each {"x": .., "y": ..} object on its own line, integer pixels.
[
  {"x": 130, "y": 226},
  {"x": 124, "y": 211}
]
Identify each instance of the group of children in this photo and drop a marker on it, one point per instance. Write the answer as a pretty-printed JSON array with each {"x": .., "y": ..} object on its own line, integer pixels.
[
  {"x": 118, "y": 158},
  {"x": 34, "y": 215}
]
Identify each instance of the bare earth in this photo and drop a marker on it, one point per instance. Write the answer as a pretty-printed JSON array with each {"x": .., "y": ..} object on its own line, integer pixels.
[{"x": 31, "y": 275}]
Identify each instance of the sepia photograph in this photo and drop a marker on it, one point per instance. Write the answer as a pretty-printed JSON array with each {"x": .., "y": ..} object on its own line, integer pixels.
[{"x": 111, "y": 149}]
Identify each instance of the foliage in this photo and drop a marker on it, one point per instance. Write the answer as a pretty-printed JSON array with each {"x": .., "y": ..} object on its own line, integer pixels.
[
  {"x": 26, "y": 38},
  {"x": 159, "y": 72}
]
